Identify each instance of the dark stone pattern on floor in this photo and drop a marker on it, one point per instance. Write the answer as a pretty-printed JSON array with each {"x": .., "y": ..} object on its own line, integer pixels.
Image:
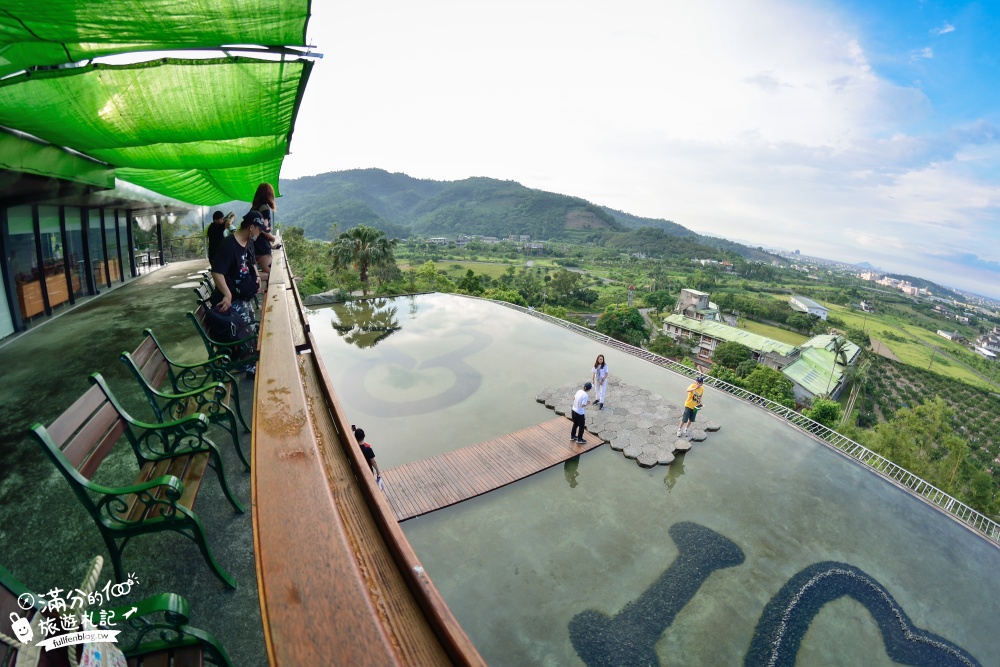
[
  {"x": 630, "y": 636},
  {"x": 636, "y": 422},
  {"x": 790, "y": 612}
]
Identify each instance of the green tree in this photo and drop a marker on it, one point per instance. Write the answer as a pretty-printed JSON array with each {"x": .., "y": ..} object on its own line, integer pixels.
[
  {"x": 720, "y": 372},
  {"x": 562, "y": 285},
  {"x": 470, "y": 283},
  {"x": 731, "y": 354},
  {"x": 772, "y": 384},
  {"x": 824, "y": 411},
  {"x": 508, "y": 295},
  {"x": 624, "y": 324},
  {"x": 363, "y": 247},
  {"x": 660, "y": 300}
]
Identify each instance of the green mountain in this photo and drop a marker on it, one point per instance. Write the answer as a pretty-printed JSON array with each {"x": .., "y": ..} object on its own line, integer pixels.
[{"x": 403, "y": 206}]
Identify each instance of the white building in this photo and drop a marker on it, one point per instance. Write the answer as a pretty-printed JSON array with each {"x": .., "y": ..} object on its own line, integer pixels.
[
  {"x": 804, "y": 305},
  {"x": 696, "y": 305}
]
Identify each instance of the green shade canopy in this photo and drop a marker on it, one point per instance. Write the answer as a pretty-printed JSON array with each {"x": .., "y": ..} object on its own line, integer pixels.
[
  {"x": 55, "y": 32},
  {"x": 202, "y": 131}
]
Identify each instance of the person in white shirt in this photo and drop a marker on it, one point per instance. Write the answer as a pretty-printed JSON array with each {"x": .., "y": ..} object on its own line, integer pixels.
[
  {"x": 577, "y": 413},
  {"x": 599, "y": 376}
]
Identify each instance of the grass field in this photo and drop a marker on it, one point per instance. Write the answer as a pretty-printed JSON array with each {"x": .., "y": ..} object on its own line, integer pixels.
[
  {"x": 774, "y": 333},
  {"x": 911, "y": 350}
]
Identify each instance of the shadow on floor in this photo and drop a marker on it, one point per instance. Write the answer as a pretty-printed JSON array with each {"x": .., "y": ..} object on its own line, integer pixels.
[{"x": 46, "y": 537}]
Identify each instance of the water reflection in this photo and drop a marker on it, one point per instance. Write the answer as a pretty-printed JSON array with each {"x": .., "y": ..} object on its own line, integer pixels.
[
  {"x": 674, "y": 471},
  {"x": 366, "y": 322},
  {"x": 570, "y": 470}
]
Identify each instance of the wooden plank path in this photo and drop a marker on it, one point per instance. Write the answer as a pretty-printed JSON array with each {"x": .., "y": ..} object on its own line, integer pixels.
[{"x": 424, "y": 486}]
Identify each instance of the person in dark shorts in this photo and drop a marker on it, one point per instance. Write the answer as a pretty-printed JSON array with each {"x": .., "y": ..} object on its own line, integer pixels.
[
  {"x": 691, "y": 405},
  {"x": 235, "y": 276}
]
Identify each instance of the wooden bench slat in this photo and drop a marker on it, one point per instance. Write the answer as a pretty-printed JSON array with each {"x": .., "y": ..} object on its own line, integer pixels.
[
  {"x": 192, "y": 656},
  {"x": 154, "y": 660},
  {"x": 87, "y": 449},
  {"x": 73, "y": 417}
]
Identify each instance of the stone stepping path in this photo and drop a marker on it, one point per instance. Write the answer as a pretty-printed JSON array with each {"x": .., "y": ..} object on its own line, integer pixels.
[{"x": 639, "y": 424}]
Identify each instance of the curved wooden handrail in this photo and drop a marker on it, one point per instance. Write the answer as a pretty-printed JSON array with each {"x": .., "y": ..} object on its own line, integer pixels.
[{"x": 306, "y": 460}]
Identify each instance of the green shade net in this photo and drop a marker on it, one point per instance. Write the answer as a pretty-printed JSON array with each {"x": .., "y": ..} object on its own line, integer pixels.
[
  {"x": 202, "y": 131},
  {"x": 55, "y": 32}
]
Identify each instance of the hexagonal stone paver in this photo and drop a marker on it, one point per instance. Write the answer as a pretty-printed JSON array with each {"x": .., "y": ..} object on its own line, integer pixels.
[
  {"x": 697, "y": 435},
  {"x": 682, "y": 445},
  {"x": 632, "y": 451},
  {"x": 712, "y": 425},
  {"x": 647, "y": 459},
  {"x": 664, "y": 457}
]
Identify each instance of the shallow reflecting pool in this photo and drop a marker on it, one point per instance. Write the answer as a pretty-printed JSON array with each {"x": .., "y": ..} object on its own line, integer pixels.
[{"x": 760, "y": 546}]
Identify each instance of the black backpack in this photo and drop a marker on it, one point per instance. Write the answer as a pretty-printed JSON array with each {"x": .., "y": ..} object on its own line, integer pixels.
[{"x": 229, "y": 327}]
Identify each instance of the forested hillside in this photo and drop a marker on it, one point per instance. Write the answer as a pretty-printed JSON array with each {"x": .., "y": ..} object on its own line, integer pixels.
[{"x": 403, "y": 206}]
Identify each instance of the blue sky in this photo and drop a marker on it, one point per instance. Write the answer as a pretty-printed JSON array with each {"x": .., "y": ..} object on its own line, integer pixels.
[{"x": 858, "y": 131}]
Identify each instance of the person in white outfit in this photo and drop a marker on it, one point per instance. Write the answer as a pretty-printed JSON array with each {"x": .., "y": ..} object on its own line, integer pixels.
[
  {"x": 599, "y": 377},
  {"x": 577, "y": 413}
]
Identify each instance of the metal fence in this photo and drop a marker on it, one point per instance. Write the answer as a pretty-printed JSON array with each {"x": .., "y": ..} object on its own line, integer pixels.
[{"x": 876, "y": 462}]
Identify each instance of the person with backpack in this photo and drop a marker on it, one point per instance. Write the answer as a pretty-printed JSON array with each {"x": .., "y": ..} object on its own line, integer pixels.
[{"x": 236, "y": 281}]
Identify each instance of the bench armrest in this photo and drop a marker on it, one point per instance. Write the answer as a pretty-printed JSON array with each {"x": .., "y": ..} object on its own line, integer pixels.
[
  {"x": 209, "y": 399},
  {"x": 161, "y": 623},
  {"x": 114, "y": 503},
  {"x": 207, "y": 366},
  {"x": 173, "y": 606}
]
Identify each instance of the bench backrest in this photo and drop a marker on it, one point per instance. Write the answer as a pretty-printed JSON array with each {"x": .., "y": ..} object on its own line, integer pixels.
[
  {"x": 148, "y": 359},
  {"x": 204, "y": 292},
  {"x": 81, "y": 437}
]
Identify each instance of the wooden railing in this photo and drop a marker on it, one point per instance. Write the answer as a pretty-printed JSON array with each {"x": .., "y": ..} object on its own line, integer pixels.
[{"x": 339, "y": 583}]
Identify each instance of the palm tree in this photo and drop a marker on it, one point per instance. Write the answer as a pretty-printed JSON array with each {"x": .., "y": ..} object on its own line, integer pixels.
[
  {"x": 363, "y": 247},
  {"x": 839, "y": 354},
  {"x": 858, "y": 376}
]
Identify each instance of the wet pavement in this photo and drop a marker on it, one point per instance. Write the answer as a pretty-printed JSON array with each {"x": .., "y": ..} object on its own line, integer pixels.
[{"x": 47, "y": 538}]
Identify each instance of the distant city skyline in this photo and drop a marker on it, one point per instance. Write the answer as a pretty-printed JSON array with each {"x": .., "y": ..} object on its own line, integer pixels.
[{"x": 853, "y": 131}]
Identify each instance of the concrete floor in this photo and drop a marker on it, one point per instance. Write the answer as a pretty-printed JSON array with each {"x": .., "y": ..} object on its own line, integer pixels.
[{"x": 46, "y": 538}]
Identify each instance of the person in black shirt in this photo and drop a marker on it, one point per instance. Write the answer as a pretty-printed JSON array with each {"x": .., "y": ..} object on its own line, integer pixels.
[
  {"x": 366, "y": 449},
  {"x": 234, "y": 270},
  {"x": 215, "y": 233}
]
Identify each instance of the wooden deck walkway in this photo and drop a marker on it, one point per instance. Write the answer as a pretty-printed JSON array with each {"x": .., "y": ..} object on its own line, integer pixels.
[{"x": 424, "y": 486}]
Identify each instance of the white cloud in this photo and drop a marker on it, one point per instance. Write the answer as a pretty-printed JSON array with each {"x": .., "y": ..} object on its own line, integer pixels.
[
  {"x": 762, "y": 120},
  {"x": 926, "y": 53},
  {"x": 944, "y": 29}
]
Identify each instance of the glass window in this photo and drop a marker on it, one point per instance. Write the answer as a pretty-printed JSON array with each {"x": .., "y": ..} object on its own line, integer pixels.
[
  {"x": 96, "y": 248},
  {"x": 74, "y": 250},
  {"x": 52, "y": 255},
  {"x": 24, "y": 261},
  {"x": 111, "y": 238}
]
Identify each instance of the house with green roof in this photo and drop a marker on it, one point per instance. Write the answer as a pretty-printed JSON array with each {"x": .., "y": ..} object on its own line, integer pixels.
[
  {"x": 818, "y": 370},
  {"x": 813, "y": 367},
  {"x": 709, "y": 334}
]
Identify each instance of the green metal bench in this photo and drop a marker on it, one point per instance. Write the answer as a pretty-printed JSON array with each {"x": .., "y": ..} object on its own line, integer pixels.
[
  {"x": 172, "y": 458},
  {"x": 157, "y": 634},
  {"x": 206, "y": 388},
  {"x": 217, "y": 348}
]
